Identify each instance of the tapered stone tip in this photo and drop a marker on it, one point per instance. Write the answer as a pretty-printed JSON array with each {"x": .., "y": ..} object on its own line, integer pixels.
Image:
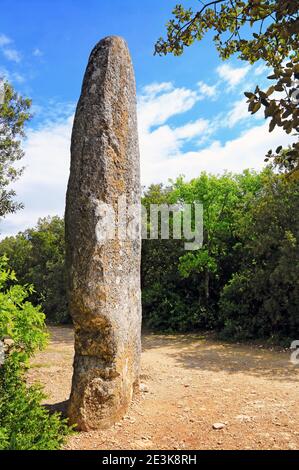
[
  {"x": 108, "y": 41},
  {"x": 112, "y": 43},
  {"x": 103, "y": 276}
]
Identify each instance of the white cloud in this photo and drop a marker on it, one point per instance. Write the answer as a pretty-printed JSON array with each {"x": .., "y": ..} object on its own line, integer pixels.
[
  {"x": 47, "y": 154},
  {"x": 12, "y": 54},
  {"x": 17, "y": 77},
  {"x": 43, "y": 185},
  {"x": 4, "y": 40},
  {"x": 164, "y": 141},
  {"x": 261, "y": 69},
  {"x": 155, "y": 88},
  {"x": 12, "y": 77},
  {"x": 4, "y": 74},
  {"x": 206, "y": 90},
  {"x": 163, "y": 153},
  {"x": 191, "y": 130},
  {"x": 232, "y": 75},
  {"x": 37, "y": 52},
  {"x": 155, "y": 109},
  {"x": 53, "y": 113},
  {"x": 167, "y": 150},
  {"x": 239, "y": 112},
  {"x": 8, "y": 51},
  {"x": 246, "y": 151}
]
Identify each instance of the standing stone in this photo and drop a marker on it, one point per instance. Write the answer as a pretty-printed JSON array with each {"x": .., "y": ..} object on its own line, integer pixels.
[{"x": 103, "y": 275}]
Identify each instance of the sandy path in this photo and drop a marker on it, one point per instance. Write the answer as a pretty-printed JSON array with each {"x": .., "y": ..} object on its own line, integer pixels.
[{"x": 190, "y": 383}]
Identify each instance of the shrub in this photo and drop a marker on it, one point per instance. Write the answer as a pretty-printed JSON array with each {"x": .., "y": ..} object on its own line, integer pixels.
[
  {"x": 37, "y": 256},
  {"x": 262, "y": 299},
  {"x": 24, "y": 423}
]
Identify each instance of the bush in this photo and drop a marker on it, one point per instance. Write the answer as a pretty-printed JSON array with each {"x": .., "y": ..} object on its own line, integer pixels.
[
  {"x": 181, "y": 290},
  {"x": 262, "y": 299},
  {"x": 168, "y": 312},
  {"x": 24, "y": 423},
  {"x": 38, "y": 257}
]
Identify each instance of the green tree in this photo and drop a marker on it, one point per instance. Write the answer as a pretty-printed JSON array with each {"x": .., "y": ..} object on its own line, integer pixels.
[
  {"x": 266, "y": 30},
  {"x": 262, "y": 297},
  {"x": 223, "y": 197},
  {"x": 24, "y": 423},
  {"x": 180, "y": 289},
  {"x": 14, "y": 112},
  {"x": 167, "y": 301},
  {"x": 38, "y": 257}
]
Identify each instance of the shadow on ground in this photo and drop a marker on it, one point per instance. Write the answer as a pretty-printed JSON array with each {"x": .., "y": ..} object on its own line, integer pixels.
[
  {"x": 61, "y": 335},
  {"x": 199, "y": 351},
  {"x": 202, "y": 351},
  {"x": 58, "y": 408}
]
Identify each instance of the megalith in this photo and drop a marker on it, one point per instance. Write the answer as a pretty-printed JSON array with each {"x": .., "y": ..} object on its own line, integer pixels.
[{"x": 103, "y": 272}]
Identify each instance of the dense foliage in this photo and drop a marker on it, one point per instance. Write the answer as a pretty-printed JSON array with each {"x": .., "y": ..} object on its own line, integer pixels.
[
  {"x": 24, "y": 423},
  {"x": 266, "y": 30},
  {"x": 14, "y": 112},
  {"x": 181, "y": 288},
  {"x": 37, "y": 256},
  {"x": 242, "y": 282},
  {"x": 262, "y": 298}
]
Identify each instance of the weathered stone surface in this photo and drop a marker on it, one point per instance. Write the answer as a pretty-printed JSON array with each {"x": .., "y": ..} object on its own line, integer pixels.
[{"x": 103, "y": 275}]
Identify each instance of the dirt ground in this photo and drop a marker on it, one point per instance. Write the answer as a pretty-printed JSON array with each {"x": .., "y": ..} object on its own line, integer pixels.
[{"x": 189, "y": 383}]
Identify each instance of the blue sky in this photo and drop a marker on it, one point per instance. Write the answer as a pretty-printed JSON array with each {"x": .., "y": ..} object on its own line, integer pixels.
[{"x": 192, "y": 112}]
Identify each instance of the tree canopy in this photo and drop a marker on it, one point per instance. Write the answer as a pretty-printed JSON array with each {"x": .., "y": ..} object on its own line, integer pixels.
[
  {"x": 14, "y": 113},
  {"x": 266, "y": 30},
  {"x": 37, "y": 256}
]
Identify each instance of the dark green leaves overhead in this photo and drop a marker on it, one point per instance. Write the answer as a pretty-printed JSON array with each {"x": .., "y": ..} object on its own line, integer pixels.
[{"x": 266, "y": 30}]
